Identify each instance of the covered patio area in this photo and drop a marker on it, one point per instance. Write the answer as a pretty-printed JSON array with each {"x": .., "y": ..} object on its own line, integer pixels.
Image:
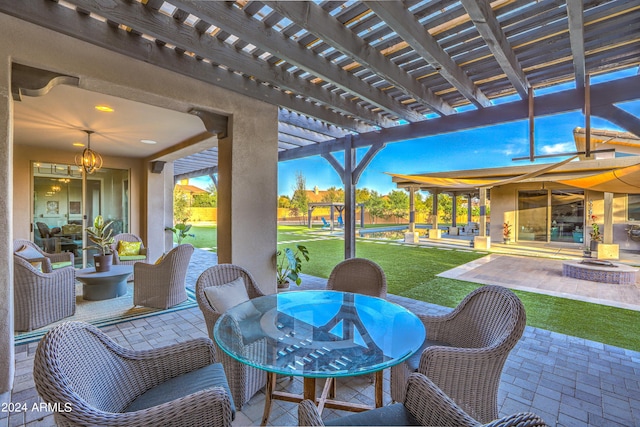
[{"x": 566, "y": 380}]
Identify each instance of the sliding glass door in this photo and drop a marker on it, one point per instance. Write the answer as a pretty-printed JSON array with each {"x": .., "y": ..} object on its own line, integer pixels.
[
  {"x": 555, "y": 215},
  {"x": 61, "y": 210}
]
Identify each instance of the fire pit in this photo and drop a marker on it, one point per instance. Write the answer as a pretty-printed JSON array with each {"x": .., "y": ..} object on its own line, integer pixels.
[{"x": 600, "y": 271}]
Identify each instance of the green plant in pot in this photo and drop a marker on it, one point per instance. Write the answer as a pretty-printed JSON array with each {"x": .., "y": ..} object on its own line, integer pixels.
[
  {"x": 289, "y": 265},
  {"x": 181, "y": 231},
  {"x": 101, "y": 237}
]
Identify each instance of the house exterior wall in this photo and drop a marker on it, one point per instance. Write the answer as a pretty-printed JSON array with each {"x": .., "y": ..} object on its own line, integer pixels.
[
  {"x": 504, "y": 208},
  {"x": 251, "y": 228}
]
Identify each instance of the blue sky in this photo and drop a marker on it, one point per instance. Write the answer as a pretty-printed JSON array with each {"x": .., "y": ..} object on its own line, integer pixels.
[{"x": 493, "y": 146}]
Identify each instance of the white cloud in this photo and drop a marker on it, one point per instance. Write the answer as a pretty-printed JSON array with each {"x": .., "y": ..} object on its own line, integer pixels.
[{"x": 561, "y": 147}]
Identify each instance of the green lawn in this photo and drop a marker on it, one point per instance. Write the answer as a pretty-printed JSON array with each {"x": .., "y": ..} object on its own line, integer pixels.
[{"x": 411, "y": 272}]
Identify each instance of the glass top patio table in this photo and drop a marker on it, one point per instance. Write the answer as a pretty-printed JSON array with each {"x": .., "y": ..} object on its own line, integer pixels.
[{"x": 319, "y": 334}]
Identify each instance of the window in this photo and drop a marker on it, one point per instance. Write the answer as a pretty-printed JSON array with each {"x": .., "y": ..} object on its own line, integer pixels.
[{"x": 633, "y": 207}]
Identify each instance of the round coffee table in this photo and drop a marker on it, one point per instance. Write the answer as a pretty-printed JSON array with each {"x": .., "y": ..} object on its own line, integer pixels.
[{"x": 97, "y": 286}]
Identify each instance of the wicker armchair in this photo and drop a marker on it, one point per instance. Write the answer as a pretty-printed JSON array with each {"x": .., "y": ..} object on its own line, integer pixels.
[
  {"x": 162, "y": 285},
  {"x": 424, "y": 405},
  {"x": 49, "y": 260},
  {"x": 94, "y": 381},
  {"x": 142, "y": 256},
  {"x": 244, "y": 380},
  {"x": 41, "y": 298},
  {"x": 465, "y": 350},
  {"x": 358, "y": 275}
]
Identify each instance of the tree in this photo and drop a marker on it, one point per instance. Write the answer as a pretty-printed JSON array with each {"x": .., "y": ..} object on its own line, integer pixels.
[
  {"x": 284, "y": 202},
  {"x": 181, "y": 210},
  {"x": 375, "y": 205},
  {"x": 398, "y": 204},
  {"x": 333, "y": 194},
  {"x": 299, "y": 200}
]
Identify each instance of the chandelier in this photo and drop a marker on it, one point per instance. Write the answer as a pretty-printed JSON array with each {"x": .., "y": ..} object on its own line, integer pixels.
[{"x": 89, "y": 160}]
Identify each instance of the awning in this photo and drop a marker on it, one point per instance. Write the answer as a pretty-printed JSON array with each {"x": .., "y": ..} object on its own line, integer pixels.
[
  {"x": 623, "y": 180},
  {"x": 472, "y": 184}
]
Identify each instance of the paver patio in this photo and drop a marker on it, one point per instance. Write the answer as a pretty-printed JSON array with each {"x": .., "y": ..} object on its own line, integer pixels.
[{"x": 568, "y": 381}]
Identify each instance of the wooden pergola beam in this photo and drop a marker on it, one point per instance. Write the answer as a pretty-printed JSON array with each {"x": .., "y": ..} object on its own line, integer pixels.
[
  {"x": 621, "y": 90},
  {"x": 240, "y": 24},
  {"x": 575, "y": 15},
  {"x": 406, "y": 26},
  {"x": 312, "y": 17},
  {"x": 489, "y": 28}
]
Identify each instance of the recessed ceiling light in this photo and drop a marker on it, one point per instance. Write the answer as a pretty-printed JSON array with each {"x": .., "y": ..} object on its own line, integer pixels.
[
  {"x": 148, "y": 141},
  {"x": 78, "y": 144},
  {"x": 104, "y": 108}
]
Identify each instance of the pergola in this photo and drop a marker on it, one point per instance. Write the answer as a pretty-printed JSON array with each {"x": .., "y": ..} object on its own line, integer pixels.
[{"x": 362, "y": 74}]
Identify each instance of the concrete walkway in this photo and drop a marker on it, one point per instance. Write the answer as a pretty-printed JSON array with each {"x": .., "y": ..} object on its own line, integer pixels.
[{"x": 568, "y": 381}]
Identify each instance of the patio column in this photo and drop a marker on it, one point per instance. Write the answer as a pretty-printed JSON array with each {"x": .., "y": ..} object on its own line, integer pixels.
[
  {"x": 454, "y": 208},
  {"x": 469, "y": 210},
  {"x": 482, "y": 241},
  {"x": 412, "y": 236},
  {"x": 247, "y": 192},
  {"x": 6, "y": 222},
  {"x": 607, "y": 249},
  {"x": 435, "y": 233},
  {"x": 412, "y": 209}
]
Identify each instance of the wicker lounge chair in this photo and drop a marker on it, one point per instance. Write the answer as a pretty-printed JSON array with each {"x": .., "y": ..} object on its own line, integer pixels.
[
  {"x": 424, "y": 405},
  {"x": 141, "y": 256},
  {"x": 41, "y": 298},
  {"x": 162, "y": 285},
  {"x": 94, "y": 381},
  {"x": 244, "y": 380},
  {"x": 52, "y": 261},
  {"x": 465, "y": 350},
  {"x": 358, "y": 275}
]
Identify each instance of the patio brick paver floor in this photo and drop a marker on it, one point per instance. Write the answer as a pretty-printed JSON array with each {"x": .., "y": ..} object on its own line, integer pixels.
[{"x": 567, "y": 380}]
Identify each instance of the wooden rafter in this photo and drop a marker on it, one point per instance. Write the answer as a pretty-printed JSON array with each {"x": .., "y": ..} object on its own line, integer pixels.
[
  {"x": 312, "y": 17},
  {"x": 405, "y": 25},
  {"x": 575, "y": 15},
  {"x": 489, "y": 28}
]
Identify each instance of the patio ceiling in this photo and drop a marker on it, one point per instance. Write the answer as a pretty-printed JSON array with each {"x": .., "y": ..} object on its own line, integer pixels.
[{"x": 358, "y": 73}]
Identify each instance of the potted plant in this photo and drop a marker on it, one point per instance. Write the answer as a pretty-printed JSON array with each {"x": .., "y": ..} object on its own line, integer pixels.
[
  {"x": 181, "y": 231},
  {"x": 595, "y": 233},
  {"x": 102, "y": 240},
  {"x": 506, "y": 232},
  {"x": 289, "y": 265},
  {"x": 586, "y": 251}
]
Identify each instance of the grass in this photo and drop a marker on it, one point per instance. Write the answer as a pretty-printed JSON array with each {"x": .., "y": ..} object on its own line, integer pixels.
[{"x": 411, "y": 272}]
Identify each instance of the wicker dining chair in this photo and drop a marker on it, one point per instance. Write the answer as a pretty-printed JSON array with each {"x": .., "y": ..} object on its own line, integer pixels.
[
  {"x": 465, "y": 350},
  {"x": 162, "y": 285},
  {"x": 358, "y": 275},
  {"x": 424, "y": 405},
  {"x": 94, "y": 381},
  {"x": 244, "y": 380},
  {"x": 41, "y": 298}
]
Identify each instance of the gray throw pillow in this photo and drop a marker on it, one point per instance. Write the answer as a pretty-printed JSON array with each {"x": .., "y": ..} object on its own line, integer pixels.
[
  {"x": 29, "y": 253},
  {"x": 229, "y": 295}
]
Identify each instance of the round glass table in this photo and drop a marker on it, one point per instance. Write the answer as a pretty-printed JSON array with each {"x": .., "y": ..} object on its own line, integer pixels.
[{"x": 319, "y": 334}]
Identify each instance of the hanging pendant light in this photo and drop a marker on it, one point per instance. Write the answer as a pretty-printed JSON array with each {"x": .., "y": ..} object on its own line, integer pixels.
[{"x": 89, "y": 160}]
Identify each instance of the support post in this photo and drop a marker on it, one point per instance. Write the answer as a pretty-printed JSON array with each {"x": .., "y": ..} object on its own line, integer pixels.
[
  {"x": 412, "y": 236},
  {"x": 435, "y": 233},
  {"x": 482, "y": 241},
  {"x": 587, "y": 117},
  {"x": 607, "y": 249},
  {"x": 349, "y": 201}
]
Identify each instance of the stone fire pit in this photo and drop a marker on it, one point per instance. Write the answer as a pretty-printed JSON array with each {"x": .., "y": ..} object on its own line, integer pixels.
[{"x": 600, "y": 271}]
